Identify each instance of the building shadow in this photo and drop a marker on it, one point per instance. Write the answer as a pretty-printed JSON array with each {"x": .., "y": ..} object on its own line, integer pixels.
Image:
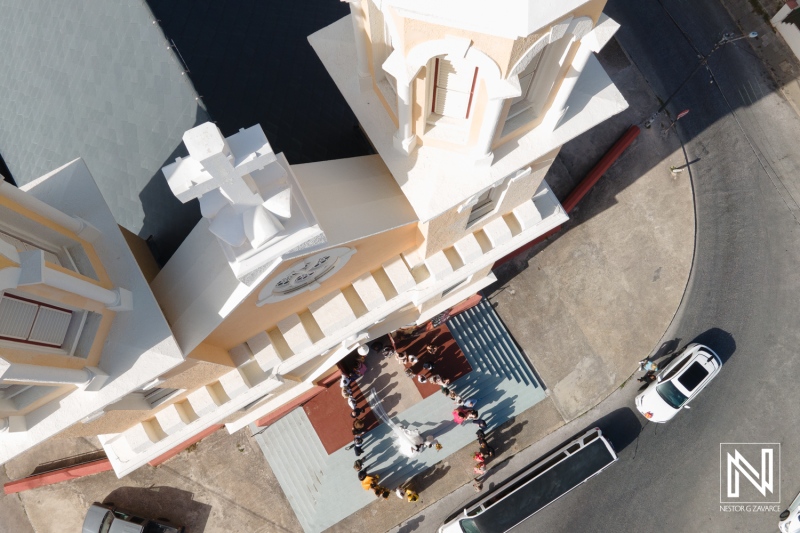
[
  {"x": 167, "y": 221},
  {"x": 252, "y": 63},
  {"x": 177, "y": 506}
]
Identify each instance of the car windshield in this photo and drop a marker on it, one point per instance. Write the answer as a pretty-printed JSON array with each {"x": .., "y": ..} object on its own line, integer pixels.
[
  {"x": 107, "y": 520},
  {"x": 468, "y": 527},
  {"x": 670, "y": 394}
]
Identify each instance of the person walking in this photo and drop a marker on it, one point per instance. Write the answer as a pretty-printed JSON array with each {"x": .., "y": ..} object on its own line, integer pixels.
[
  {"x": 411, "y": 496},
  {"x": 355, "y": 413},
  {"x": 422, "y": 379},
  {"x": 358, "y": 427},
  {"x": 459, "y": 415},
  {"x": 480, "y": 469}
]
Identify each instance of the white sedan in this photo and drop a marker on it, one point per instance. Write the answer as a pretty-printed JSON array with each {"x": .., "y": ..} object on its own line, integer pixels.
[
  {"x": 790, "y": 518},
  {"x": 678, "y": 383}
]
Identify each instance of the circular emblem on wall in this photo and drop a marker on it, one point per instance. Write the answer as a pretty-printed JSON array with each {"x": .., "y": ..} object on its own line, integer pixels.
[{"x": 305, "y": 275}]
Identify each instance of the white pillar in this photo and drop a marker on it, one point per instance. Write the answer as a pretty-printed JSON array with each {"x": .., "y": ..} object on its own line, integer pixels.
[
  {"x": 13, "y": 424},
  {"x": 574, "y": 72},
  {"x": 360, "y": 31},
  {"x": 92, "y": 378},
  {"x": 34, "y": 271},
  {"x": 404, "y": 140},
  {"x": 491, "y": 116},
  {"x": 74, "y": 224}
]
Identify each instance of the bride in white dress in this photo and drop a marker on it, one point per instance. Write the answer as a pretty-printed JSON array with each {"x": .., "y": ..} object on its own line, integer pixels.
[{"x": 407, "y": 441}]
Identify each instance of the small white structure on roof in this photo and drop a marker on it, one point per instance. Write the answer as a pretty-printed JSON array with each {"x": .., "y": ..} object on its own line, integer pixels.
[{"x": 243, "y": 188}]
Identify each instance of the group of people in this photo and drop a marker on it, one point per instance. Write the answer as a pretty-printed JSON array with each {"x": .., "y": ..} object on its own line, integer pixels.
[
  {"x": 464, "y": 411},
  {"x": 483, "y": 455},
  {"x": 370, "y": 481},
  {"x": 346, "y": 382},
  {"x": 427, "y": 375}
]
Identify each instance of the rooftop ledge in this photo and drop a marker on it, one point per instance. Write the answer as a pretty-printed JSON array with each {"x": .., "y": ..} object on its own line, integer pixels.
[{"x": 433, "y": 180}]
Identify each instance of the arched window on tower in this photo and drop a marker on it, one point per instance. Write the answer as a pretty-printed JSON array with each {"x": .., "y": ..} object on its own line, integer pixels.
[
  {"x": 536, "y": 83},
  {"x": 451, "y": 97}
]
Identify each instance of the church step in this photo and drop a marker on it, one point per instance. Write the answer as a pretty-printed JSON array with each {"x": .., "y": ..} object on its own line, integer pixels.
[
  {"x": 299, "y": 461},
  {"x": 290, "y": 483},
  {"x": 483, "y": 337}
]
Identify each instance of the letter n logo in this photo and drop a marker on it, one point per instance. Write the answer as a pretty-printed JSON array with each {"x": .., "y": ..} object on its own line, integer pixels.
[{"x": 741, "y": 460}]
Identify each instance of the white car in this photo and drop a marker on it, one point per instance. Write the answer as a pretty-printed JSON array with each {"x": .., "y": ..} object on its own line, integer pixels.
[
  {"x": 790, "y": 518},
  {"x": 678, "y": 383}
]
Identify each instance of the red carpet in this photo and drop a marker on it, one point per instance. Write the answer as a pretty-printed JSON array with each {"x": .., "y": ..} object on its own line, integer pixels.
[
  {"x": 449, "y": 361},
  {"x": 329, "y": 413}
]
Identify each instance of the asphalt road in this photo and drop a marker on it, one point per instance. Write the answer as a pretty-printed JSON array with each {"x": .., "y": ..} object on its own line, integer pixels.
[
  {"x": 742, "y": 297},
  {"x": 743, "y": 293}
]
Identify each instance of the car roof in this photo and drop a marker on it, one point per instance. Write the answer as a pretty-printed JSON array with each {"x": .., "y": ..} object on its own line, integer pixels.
[
  {"x": 701, "y": 366},
  {"x": 693, "y": 375}
]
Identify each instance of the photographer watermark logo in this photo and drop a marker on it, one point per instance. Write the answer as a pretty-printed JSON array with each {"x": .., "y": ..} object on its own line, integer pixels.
[{"x": 749, "y": 474}]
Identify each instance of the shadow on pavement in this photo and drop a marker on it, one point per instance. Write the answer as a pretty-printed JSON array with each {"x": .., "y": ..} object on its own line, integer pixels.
[
  {"x": 718, "y": 340},
  {"x": 411, "y": 525},
  {"x": 621, "y": 427},
  {"x": 177, "y": 506}
]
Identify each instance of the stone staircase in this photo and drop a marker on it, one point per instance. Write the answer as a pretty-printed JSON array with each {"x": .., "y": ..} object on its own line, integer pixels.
[
  {"x": 488, "y": 346},
  {"x": 299, "y": 462}
]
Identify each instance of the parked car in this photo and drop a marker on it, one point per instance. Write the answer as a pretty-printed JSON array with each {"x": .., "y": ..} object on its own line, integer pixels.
[
  {"x": 105, "y": 518},
  {"x": 678, "y": 383},
  {"x": 790, "y": 518}
]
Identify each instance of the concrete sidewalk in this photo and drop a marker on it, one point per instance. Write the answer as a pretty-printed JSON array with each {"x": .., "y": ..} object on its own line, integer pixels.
[{"x": 584, "y": 306}]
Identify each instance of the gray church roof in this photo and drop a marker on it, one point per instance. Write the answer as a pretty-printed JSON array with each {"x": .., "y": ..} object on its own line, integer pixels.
[{"x": 97, "y": 79}]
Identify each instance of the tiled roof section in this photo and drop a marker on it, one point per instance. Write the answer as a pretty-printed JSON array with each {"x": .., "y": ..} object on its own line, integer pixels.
[
  {"x": 95, "y": 79},
  {"x": 252, "y": 63}
]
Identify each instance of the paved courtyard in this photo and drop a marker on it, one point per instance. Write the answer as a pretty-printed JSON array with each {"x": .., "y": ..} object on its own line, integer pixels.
[{"x": 323, "y": 489}]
